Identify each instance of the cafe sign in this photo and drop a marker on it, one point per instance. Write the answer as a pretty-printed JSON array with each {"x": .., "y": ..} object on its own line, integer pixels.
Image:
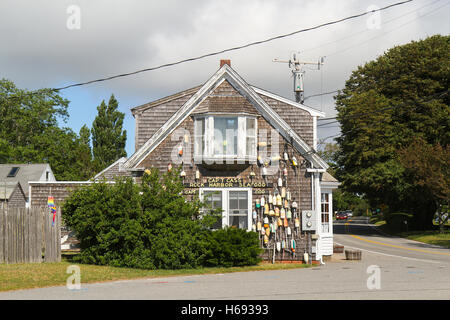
[{"x": 224, "y": 182}]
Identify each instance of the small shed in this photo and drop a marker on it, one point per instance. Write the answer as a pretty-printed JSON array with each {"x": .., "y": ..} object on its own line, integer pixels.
[{"x": 12, "y": 195}]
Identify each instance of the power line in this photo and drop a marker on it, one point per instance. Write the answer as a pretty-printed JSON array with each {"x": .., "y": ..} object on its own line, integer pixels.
[
  {"x": 366, "y": 29},
  {"x": 434, "y": 96},
  {"x": 321, "y": 94},
  {"x": 233, "y": 48},
  {"x": 387, "y": 32}
]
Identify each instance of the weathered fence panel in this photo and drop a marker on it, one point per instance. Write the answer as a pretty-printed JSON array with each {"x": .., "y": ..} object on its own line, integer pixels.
[{"x": 29, "y": 235}]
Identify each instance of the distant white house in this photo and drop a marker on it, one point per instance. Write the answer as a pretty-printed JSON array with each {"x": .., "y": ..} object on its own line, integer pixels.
[{"x": 15, "y": 178}]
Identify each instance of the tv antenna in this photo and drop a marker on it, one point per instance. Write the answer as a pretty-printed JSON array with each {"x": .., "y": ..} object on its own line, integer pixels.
[{"x": 297, "y": 70}]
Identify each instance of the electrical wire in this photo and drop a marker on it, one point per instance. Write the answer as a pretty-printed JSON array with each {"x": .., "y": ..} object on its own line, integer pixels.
[
  {"x": 366, "y": 29},
  {"x": 219, "y": 52},
  {"x": 404, "y": 104},
  {"x": 387, "y": 32},
  {"x": 233, "y": 48}
]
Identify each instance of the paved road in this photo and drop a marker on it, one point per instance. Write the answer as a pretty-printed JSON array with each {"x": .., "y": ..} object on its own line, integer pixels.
[
  {"x": 407, "y": 270},
  {"x": 358, "y": 233}
]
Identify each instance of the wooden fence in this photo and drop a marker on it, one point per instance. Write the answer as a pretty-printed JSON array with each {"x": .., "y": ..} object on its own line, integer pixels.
[{"x": 29, "y": 235}]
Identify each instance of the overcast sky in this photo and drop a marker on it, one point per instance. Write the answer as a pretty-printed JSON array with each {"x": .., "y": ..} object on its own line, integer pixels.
[{"x": 43, "y": 47}]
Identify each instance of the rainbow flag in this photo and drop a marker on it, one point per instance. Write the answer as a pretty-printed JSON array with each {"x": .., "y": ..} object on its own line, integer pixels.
[{"x": 51, "y": 205}]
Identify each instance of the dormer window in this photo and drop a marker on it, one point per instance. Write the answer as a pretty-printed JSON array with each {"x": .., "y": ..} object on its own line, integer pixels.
[{"x": 225, "y": 137}]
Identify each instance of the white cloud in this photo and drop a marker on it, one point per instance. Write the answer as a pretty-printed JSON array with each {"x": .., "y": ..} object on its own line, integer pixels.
[{"x": 122, "y": 36}]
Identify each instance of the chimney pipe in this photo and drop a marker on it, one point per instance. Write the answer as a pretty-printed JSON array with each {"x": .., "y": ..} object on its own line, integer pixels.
[{"x": 222, "y": 62}]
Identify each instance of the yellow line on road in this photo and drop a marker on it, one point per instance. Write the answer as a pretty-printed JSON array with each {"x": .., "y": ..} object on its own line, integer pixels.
[{"x": 395, "y": 246}]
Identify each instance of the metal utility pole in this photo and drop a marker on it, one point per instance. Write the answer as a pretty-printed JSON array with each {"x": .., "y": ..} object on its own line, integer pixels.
[{"x": 296, "y": 66}]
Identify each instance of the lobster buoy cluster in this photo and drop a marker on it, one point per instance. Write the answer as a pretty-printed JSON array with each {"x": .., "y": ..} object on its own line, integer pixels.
[{"x": 276, "y": 216}]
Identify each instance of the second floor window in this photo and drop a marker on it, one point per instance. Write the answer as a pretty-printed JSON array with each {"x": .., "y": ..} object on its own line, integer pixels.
[{"x": 218, "y": 136}]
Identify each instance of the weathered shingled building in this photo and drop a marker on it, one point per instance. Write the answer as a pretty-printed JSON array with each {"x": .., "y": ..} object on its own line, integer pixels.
[{"x": 245, "y": 150}]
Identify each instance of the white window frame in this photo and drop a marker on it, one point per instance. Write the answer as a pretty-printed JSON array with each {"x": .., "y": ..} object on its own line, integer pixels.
[
  {"x": 326, "y": 227},
  {"x": 225, "y": 204},
  {"x": 208, "y": 152}
]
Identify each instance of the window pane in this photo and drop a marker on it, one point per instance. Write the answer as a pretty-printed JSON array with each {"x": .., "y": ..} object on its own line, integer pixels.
[
  {"x": 213, "y": 199},
  {"x": 225, "y": 136},
  {"x": 240, "y": 222},
  {"x": 250, "y": 147},
  {"x": 234, "y": 200},
  {"x": 199, "y": 135},
  {"x": 251, "y": 127},
  {"x": 243, "y": 201}
]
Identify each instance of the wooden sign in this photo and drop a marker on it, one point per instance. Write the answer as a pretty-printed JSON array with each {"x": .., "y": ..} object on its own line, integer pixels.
[{"x": 224, "y": 182}]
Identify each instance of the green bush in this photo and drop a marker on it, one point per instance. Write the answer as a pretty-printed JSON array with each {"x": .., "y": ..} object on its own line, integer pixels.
[
  {"x": 396, "y": 221},
  {"x": 147, "y": 225},
  {"x": 151, "y": 226},
  {"x": 231, "y": 247}
]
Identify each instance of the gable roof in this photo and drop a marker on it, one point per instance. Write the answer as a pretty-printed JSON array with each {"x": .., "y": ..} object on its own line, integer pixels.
[
  {"x": 110, "y": 171},
  {"x": 155, "y": 103},
  {"x": 228, "y": 74},
  {"x": 7, "y": 189},
  {"x": 26, "y": 173}
]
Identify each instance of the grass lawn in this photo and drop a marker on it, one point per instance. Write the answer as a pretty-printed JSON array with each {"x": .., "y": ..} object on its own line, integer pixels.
[
  {"x": 37, "y": 275},
  {"x": 430, "y": 237}
]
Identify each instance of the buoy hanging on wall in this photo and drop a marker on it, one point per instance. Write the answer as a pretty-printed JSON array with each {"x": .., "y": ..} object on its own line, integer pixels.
[
  {"x": 294, "y": 162},
  {"x": 197, "y": 174},
  {"x": 279, "y": 203},
  {"x": 180, "y": 150},
  {"x": 260, "y": 161},
  {"x": 266, "y": 222}
]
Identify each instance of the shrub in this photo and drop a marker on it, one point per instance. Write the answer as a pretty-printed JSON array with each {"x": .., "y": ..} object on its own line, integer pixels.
[
  {"x": 396, "y": 221},
  {"x": 231, "y": 247},
  {"x": 147, "y": 225}
]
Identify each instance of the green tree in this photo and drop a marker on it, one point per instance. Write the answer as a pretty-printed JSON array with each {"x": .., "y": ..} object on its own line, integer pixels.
[
  {"x": 108, "y": 137},
  {"x": 428, "y": 167},
  {"x": 29, "y": 131},
  {"x": 385, "y": 104},
  {"x": 328, "y": 152}
]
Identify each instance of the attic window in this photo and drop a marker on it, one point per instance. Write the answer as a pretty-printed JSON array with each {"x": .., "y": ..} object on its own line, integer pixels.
[
  {"x": 13, "y": 172},
  {"x": 219, "y": 137}
]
